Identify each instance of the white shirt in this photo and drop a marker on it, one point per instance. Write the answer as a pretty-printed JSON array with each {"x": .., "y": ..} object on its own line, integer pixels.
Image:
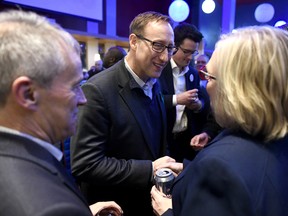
[
  {"x": 179, "y": 82},
  {"x": 147, "y": 87},
  {"x": 48, "y": 146}
]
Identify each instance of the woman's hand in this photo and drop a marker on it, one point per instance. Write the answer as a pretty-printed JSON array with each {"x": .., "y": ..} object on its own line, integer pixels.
[
  {"x": 160, "y": 202},
  {"x": 199, "y": 141}
]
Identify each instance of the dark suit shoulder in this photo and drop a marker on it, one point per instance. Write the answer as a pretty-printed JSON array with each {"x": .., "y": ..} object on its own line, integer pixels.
[
  {"x": 33, "y": 182},
  {"x": 240, "y": 169},
  {"x": 33, "y": 190}
]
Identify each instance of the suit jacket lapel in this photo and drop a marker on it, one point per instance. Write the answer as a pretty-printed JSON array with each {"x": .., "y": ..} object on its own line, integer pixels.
[
  {"x": 126, "y": 82},
  {"x": 160, "y": 101},
  {"x": 68, "y": 180}
]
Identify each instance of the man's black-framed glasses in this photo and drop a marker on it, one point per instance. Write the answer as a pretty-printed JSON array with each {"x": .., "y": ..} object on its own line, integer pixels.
[
  {"x": 189, "y": 52},
  {"x": 159, "y": 47},
  {"x": 204, "y": 75}
]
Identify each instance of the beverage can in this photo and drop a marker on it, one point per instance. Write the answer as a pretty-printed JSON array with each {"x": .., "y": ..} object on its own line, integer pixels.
[{"x": 163, "y": 180}]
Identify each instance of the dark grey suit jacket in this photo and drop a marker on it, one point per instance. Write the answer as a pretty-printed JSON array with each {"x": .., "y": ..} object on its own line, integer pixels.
[
  {"x": 111, "y": 152},
  {"x": 33, "y": 182}
]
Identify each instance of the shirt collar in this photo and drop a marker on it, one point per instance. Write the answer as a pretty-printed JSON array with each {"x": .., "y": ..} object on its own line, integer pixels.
[
  {"x": 177, "y": 71},
  {"x": 140, "y": 82},
  {"x": 48, "y": 146}
]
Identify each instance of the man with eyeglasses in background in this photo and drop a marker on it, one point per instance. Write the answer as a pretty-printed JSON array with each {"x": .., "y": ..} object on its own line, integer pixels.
[
  {"x": 187, "y": 104},
  {"x": 121, "y": 136}
]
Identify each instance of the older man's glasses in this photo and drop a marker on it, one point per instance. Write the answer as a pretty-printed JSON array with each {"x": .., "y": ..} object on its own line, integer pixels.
[
  {"x": 159, "y": 47},
  {"x": 204, "y": 75},
  {"x": 189, "y": 52}
]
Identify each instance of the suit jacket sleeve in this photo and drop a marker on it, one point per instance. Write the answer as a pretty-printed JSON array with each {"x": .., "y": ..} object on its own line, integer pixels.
[{"x": 169, "y": 212}]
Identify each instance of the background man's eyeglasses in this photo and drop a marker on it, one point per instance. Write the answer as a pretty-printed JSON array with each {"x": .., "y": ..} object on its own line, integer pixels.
[
  {"x": 159, "y": 47},
  {"x": 189, "y": 52},
  {"x": 204, "y": 75}
]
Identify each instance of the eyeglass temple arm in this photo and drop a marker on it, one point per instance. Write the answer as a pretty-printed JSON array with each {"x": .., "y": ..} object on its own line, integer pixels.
[{"x": 207, "y": 74}]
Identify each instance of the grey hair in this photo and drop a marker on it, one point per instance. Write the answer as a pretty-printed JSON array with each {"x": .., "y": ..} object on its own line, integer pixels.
[{"x": 31, "y": 46}]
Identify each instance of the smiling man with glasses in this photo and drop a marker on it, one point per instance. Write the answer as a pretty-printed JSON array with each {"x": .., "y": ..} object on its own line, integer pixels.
[
  {"x": 121, "y": 136},
  {"x": 187, "y": 105}
]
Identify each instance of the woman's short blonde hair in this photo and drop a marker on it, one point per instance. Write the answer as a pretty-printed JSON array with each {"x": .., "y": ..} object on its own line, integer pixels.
[{"x": 252, "y": 81}]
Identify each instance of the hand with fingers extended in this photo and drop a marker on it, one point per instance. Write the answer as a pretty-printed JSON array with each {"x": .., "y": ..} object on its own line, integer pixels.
[{"x": 199, "y": 141}]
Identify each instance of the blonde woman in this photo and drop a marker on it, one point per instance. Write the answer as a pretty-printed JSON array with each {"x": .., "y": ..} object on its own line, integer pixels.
[{"x": 244, "y": 170}]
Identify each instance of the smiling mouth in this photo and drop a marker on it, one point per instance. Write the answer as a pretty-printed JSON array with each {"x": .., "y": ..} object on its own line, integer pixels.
[{"x": 160, "y": 65}]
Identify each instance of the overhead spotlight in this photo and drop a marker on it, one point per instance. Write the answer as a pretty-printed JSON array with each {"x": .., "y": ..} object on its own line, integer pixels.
[
  {"x": 280, "y": 23},
  {"x": 208, "y": 6},
  {"x": 264, "y": 12},
  {"x": 179, "y": 10}
]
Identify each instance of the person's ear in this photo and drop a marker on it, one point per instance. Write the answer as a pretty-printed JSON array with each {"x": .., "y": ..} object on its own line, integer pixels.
[
  {"x": 24, "y": 92},
  {"x": 133, "y": 41}
]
